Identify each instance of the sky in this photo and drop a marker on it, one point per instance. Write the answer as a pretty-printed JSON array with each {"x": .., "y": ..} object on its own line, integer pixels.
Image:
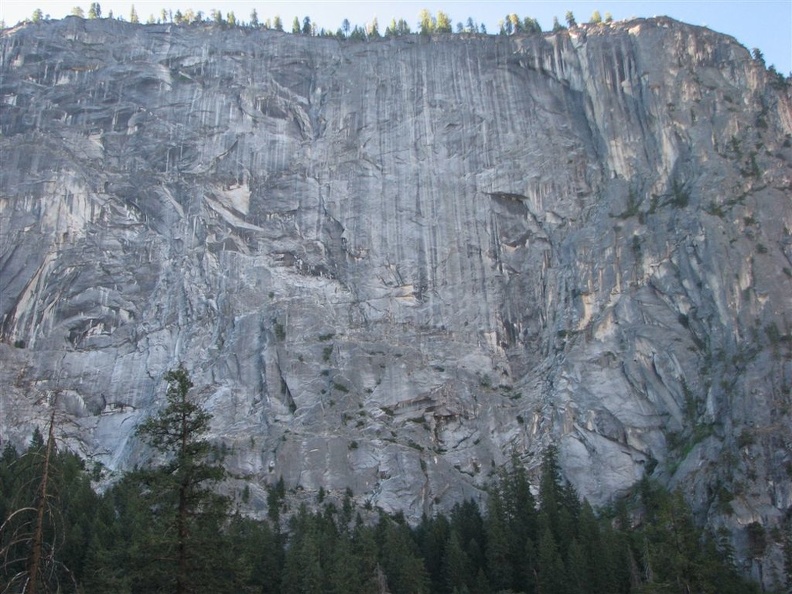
[{"x": 766, "y": 24}]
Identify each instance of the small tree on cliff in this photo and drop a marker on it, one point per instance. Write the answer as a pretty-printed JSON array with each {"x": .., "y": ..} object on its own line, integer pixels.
[
  {"x": 187, "y": 512},
  {"x": 443, "y": 23},
  {"x": 426, "y": 22}
]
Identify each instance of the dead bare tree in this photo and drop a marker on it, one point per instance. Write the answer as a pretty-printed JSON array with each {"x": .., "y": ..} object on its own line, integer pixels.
[{"x": 29, "y": 536}]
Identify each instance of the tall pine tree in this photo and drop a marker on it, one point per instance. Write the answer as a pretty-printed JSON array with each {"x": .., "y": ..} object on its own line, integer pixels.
[{"x": 187, "y": 510}]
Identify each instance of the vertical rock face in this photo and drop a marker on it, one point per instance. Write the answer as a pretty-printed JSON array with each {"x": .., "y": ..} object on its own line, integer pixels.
[{"x": 388, "y": 266}]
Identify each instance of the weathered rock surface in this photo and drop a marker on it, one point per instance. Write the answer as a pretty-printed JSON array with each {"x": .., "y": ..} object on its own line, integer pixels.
[{"x": 389, "y": 265}]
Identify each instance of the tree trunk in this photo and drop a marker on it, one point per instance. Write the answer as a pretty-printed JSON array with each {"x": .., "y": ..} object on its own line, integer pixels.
[
  {"x": 182, "y": 512},
  {"x": 41, "y": 506}
]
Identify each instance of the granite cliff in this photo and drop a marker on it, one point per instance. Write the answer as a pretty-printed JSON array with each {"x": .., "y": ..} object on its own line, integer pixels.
[{"x": 388, "y": 266}]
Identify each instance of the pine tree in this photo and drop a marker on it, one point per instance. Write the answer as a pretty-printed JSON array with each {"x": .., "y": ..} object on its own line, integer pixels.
[
  {"x": 498, "y": 551},
  {"x": 255, "y": 556},
  {"x": 443, "y": 23},
  {"x": 403, "y": 28},
  {"x": 552, "y": 573},
  {"x": 373, "y": 29},
  {"x": 25, "y": 532},
  {"x": 466, "y": 521},
  {"x": 109, "y": 566},
  {"x": 426, "y": 22},
  {"x": 520, "y": 518},
  {"x": 456, "y": 565},
  {"x": 579, "y": 575},
  {"x": 404, "y": 568},
  {"x": 787, "y": 548},
  {"x": 364, "y": 547},
  {"x": 344, "y": 574},
  {"x": 46, "y": 514},
  {"x": 516, "y": 24},
  {"x": 183, "y": 501},
  {"x": 531, "y": 26},
  {"x": 302, "y": 571},
  {"x": 432, "y": 537}
]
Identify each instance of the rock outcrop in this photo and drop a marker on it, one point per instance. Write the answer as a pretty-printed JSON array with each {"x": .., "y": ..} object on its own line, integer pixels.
[{"x": 388, "y": 266}]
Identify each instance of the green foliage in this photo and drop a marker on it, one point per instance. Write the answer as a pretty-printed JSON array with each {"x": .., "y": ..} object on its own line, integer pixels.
[
  {"x": 130, "y": 539},
  {"x": 186, "y": 513},
  {"x": 47, "y": 510},
  {"x": 401, "y": 561},
  {"x": 443, "y": 23},
  {"x": 557, "y": 27},
  {"x": 531, "y": 26},
  {"x": 676, "y": 555},
  {"x": 397, "y": 28},
  {"x": 680, "y": 194},
  {"x": 745, "y": 439},
  {"x": 426, "y": 22}
]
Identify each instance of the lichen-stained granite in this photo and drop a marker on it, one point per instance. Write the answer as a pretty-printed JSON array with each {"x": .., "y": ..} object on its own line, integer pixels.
[{"x": 391, "y": 265}]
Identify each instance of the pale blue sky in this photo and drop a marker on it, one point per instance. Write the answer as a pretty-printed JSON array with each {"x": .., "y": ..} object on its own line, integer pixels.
[{"x": 766, "y": 24}]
